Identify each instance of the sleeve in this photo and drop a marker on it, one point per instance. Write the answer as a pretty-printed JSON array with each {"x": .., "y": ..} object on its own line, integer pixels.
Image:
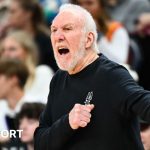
[
  {"x": 128, "y": 97},
  {"x": 52, "y": 136}
]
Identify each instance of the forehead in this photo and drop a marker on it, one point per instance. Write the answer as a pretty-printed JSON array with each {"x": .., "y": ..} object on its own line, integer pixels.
[
  {"x": 67, "y": 17},
  {"x": 10, "y": 41},
  {"x": 14, "y": 4}
]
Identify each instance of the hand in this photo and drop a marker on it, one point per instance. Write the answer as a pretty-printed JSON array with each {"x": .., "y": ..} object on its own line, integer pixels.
[{"x": 80, "y": 115}]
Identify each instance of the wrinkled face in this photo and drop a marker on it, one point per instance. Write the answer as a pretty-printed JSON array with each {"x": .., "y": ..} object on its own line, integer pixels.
[
  {"x": 28, "y": 126},
  {"x": 12, "y": 49},
  {"x": 145, "y": 135},
  {"x": 7, "y": 84},
  {"x": 68, "y": 40},
  {"x": 17, "y": 15}
]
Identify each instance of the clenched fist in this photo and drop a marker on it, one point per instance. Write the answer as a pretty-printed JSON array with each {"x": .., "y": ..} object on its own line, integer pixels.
[{"x": 80, "y": 115}]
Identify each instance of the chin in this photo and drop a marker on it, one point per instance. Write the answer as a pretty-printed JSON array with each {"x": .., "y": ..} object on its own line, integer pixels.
[
  {"x": 26, "y": 140},
  {"x": 66, "y": 66}
]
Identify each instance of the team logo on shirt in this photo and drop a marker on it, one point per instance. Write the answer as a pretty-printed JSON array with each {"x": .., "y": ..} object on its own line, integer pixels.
[{"x": 88, "y": 98}]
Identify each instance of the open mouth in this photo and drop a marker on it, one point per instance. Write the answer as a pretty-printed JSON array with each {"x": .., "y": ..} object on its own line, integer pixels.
[{"x": 63, "y": 51}]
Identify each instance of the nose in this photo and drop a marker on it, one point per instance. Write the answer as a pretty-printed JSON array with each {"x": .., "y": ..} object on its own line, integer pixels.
[{"x": 58, "y": 36}]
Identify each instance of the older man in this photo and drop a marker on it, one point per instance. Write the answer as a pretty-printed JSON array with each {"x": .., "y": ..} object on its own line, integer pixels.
[{"x": 93, "y": 103}]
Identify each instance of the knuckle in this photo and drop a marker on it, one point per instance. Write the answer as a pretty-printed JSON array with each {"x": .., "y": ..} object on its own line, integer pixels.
[
  {"x": 77, "y": 110},
  {"x": 90, "y": 115},
  {"x": 88, "y": 120},
  {"x": 83, "y": 124},
  {"x": 77, "y": 105}
]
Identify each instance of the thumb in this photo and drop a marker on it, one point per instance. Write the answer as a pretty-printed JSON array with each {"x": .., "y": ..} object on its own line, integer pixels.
[{"x": 91, "y": 106}]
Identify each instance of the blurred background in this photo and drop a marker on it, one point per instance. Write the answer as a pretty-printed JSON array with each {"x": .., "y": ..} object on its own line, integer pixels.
[{"x": 123, "y": 28}]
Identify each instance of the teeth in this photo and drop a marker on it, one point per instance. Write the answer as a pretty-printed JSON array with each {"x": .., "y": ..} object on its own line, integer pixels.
[{"x": 61, "y": 48}]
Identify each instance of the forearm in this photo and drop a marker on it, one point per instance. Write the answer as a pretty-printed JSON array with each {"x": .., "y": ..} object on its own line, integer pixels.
[{"x": 53, "y": 137}]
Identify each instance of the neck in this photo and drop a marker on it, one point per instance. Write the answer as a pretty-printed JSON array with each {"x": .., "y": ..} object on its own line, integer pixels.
[
  {"x": 13, "y": 98},
  {"x": 30, "y": 146},
  {"x": 88, "y": 59}
]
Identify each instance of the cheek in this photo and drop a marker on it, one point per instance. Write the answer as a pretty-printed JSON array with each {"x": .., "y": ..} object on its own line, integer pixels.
[
  {"x": 14, "y": 18},
  {"x": 3, "y": 84},
  {"x": 22, "y": 55},
  {"x": 53, "y": 45},
  {"x": 32, "y": 127},
  {"x": 12, "y": 54},
  {"x": 19, "y": 13},
  {"x": 53, "y": 42},
  {"x": 75, "y": 44},
  {"x": 6, "y": 53},
  {"x": 146, "y": 136},
  {"x": 19, "y": 54},
  {"x": 7, "y": 86},
  {"x": 28, "y": 131}
]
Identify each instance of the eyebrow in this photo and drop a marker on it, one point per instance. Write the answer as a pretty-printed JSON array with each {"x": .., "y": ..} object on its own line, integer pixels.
[{"x": 66, "y": 25}]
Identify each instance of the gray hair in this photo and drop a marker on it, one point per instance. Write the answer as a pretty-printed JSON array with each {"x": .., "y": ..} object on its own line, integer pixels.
[{"x": 89, "y": 23}]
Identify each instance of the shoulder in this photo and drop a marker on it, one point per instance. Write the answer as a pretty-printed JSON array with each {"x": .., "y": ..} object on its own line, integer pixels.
[
  {"x": 107, "y": 64},
  {"x": 121, "y": 31},
  {"x": 59, "y": 76},
  {"x": 116, "y": 29},
  {"x": 110, "y": 68}
]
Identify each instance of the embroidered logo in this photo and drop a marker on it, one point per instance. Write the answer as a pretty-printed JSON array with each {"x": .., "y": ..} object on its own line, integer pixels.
[{"x": 88, "y": 98}]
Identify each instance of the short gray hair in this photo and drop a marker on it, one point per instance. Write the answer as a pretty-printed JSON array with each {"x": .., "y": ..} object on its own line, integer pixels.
[{"x": 89, "y": 23}]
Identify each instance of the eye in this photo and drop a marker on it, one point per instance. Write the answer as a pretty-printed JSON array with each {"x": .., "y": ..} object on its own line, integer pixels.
[
  {"x": 12, "y": 49},
  {"x": 67, "y": 28},
  {"x": 53, "y": 30}
]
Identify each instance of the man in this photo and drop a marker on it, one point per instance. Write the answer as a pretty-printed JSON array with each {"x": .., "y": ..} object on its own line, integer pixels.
[{"x": 93, "y": 102}]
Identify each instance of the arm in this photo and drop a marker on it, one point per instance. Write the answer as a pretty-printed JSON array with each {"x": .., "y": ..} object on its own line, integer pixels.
[
  {"x": 54, "y": 135},
  {"x": 128, "y": 97},
  {"x": 51, "y": 135}
]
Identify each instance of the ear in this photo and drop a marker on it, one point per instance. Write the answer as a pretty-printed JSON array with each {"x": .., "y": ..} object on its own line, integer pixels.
[{"x": 89, "y": 40}]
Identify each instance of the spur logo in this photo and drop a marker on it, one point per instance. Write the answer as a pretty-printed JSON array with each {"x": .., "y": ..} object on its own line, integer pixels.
[{"x": 88, "y": 98}]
